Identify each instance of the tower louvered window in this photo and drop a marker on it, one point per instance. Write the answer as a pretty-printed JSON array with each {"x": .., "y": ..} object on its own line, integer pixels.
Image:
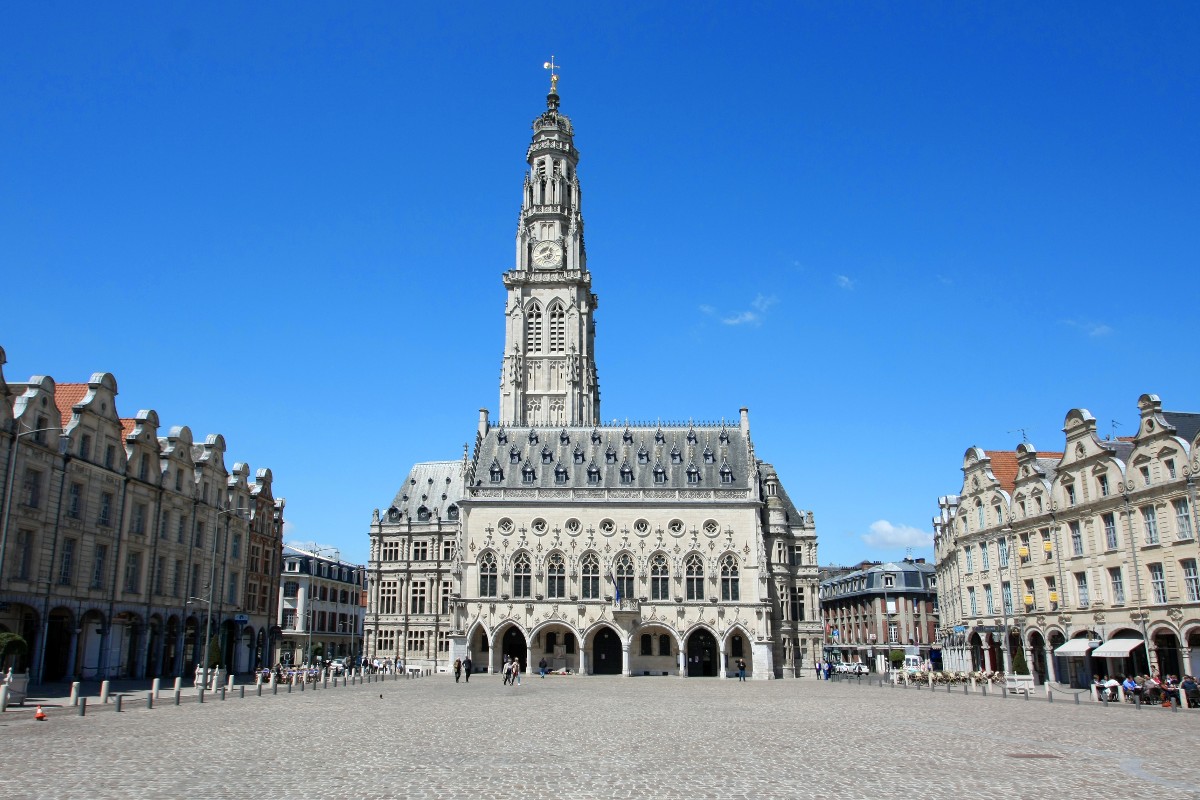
[
  {"x": 533, "y": 329},
  {"x": 558, "y": 329}
]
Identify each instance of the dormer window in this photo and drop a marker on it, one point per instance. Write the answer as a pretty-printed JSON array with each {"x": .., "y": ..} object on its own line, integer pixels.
[
  {"x": 726, "y": 474},
  {"x": 533, "y": 437},
  {"x": 724, "y": 437},
  {"x": 691, "y": 436},
  {"x": 423, "y": 514},
  {"x": 560, "y": 474},
  {"x": 547, "y": 456},
  {"x": 659, "y": 437},
  {"x": 627, "y": 436},
  {"x": 452, "y": 512},
  {"x": 626, "y": 473},
  {"x": 693, "y": 474},
  {"x": 595, "y": 436},
  {"x": 593, "y": 474},
  {"x": 610, "y": 456},
  {"x": 889, "y": 581},
  {"x": 578, "y": 456},
  {"x": 564, "y": 437},
  {"x": 660, "y": 474},
  {"x": 709, "y": 458},
  {"x": 501, "y": 436},
  {"x": 643, "y": 456},
  {"x": 527, "y": 473},
  {"x": 676, "y": 456},
  {"x": 496, "y": 473},
  {"x": 514, "y": 456}
]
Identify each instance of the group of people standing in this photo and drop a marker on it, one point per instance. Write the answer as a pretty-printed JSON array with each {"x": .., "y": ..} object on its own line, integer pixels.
[
  {"x": 462, "y": 665},
  {"x": 511, "y": 670}
]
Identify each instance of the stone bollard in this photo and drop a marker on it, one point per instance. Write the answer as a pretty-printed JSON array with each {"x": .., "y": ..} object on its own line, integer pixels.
[
  {"x": 242, "y": 691},
  {"x": 260, "y": 690},
  {"x": 105, "y": 686},
  {"x": 1049, "y": 694},
  {"x": 1077, "y": 698},
  {"x": 200, "y": 694},
  {"x": 966, "y": 689},
  {"x": 4, "y": 698},
  {"x": 1004, "y": 692},
  {"x": 985, "y": 688},
  {"x": 117, "y": 702},
  {"x": 82, "y": 706},
  {"x": 149, "y": 700},
  {"x": 178, "y": 684},
  {"x": 178, "y": 695},
  {"x": 231, "y": 682},
  {"x": 302, "y": 682},
  {"x": 75, "y": 693},
  {"x": 222, "y": 691},
  {"x": 289, "y": 687},
  {"x": 274, "y": 687}
]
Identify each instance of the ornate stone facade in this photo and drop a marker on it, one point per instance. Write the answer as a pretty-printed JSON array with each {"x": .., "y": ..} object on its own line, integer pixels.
[
  {"x": 109, "y": 527},
  {"x": 1077, "y": 557},
  {"x": 631, "y": 548}
]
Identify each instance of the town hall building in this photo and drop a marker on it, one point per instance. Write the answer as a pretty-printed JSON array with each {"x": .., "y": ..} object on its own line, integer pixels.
[{"x": 633, "y": 549}]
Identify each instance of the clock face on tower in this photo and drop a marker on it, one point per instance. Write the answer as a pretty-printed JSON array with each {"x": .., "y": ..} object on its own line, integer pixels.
[{"x": 547, "y": 255}]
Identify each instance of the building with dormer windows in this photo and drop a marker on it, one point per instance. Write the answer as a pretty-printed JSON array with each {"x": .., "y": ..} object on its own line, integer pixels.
[
  {"x": 649, "y": 548},
  {"x": 1084, "y": 559}
]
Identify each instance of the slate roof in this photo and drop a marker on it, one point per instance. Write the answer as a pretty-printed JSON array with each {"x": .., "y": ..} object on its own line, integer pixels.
[
  {"x": 1186, "y": 424},
  {"x": 432, "y": 484},
  {"x": 639, "y": 450},
  {"x": 910, "y": 576},
  {"x": 66, "y": 396}
]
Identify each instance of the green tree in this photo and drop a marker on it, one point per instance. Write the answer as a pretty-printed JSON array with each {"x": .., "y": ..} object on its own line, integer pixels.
[
  {"x": 214, "y": 653},
  {"x": 896, "y": 657},
  {"x": 1020, "y": 667}
]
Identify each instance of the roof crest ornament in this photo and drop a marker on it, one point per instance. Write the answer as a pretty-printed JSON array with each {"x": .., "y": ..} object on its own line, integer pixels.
[{"x": 550, "y": 65}]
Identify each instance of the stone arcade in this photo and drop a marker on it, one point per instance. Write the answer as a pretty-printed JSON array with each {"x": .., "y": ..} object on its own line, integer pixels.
[{"x": 639, "y": 549}]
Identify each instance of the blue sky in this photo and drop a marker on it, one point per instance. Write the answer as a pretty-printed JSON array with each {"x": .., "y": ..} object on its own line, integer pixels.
[{"x": 893, "y": 231}]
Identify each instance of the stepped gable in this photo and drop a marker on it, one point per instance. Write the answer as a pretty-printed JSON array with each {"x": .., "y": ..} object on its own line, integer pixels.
[
  {"x": 430, "y": 485},
  {"x": 550, "y": 452}
]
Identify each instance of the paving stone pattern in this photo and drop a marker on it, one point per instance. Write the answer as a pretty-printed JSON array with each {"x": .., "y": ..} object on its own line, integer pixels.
[{"x": 583, "y": 737}]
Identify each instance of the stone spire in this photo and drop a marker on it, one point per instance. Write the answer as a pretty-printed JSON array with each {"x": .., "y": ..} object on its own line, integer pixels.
[{"x": 549, "y": 372}]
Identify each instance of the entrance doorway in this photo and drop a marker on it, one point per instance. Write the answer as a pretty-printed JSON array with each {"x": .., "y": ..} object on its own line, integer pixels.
[
  {"x": 513, "y": 645},
  {"x": 606, "y": 653},
  {"x": 701, "y": 655}
]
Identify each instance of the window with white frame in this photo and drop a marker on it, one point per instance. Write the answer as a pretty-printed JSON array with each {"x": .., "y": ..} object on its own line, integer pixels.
[
  {"x": 1150, "y": 524},
  {"x": 1006, "y": 597},
  {"x": 660, "y": 588},
  {"x": 1081, "y": 585},
  {"x": 988, "y": 599},
  {"x": 973, "y": 602},
  {"x": 1183, "y": 519},
  {"x": 1117, "y": 582},
  {"x": 970, "y": 557},
  {"x": 1191, "y": 580},
  {"x": 1158, "y": 582},
  {"x": 1102, "y": 483},
  {"x": 1076, "y": 537},
  {"x": 984, "y": 557},
  {"x": 1002, "y": 552},
  {"x": 556, "y": 577},
  {"x": 1110, "y": 531},
  {"x": 730, "y": 590},
  {"x": 522, "y": 575}
]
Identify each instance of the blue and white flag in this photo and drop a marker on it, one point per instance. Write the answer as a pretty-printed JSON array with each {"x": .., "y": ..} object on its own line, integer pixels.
[{"x": 616, "y": 586}]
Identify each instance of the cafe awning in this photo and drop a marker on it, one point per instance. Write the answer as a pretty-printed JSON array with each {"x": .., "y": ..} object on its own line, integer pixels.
[
  {"x": 1116, "y": 648},
  {"x": 1075, "y": 647}
]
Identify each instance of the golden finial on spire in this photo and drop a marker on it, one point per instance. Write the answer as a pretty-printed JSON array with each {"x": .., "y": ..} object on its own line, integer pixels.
[{"x": 550, "y": 65}]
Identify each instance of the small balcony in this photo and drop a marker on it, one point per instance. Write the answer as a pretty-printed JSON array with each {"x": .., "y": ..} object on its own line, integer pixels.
[{"x": 626, "y": 607}]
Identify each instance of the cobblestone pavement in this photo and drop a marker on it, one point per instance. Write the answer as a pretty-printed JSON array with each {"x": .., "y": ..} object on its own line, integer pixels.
[{"x": 583, "y": 737}]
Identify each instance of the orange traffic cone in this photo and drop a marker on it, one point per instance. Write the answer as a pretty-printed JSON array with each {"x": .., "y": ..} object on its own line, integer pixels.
[{"x": 39, "y": 715}]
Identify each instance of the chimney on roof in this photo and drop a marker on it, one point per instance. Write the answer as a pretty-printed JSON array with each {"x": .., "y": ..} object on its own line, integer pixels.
[
  {"x": 745, "y": 412},
  {"x": 483, "y": 422}
]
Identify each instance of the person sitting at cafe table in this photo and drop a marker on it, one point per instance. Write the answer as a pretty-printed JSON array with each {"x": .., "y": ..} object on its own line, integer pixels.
[
  {"x": 1131, "y": 687},
  {"x": 1188, "y": 687},
  {"x": 1111, "y": 686}
]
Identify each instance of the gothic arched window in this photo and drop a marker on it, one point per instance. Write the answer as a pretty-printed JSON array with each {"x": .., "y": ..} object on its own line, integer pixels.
[
  {"x": 558, "y": 328},
  {"x": 660, "y": 578},
  {"x": 591, "y": 576},
  {"x": 522, "y": 575},
  {"x": 556, "y": 577},
  {"x": 487, "y": 575},
  {"x": 729, "y": 578},
  {"x": 533, "y": 328},
  {"x": 624, "y": 575},
  {"x": 693, "y": 569}
]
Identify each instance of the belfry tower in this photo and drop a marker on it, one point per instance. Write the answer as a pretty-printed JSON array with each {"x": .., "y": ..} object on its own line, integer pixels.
[{"x": 548, "y": 377}]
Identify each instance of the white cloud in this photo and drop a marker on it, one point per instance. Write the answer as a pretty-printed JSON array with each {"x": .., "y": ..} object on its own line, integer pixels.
[
  {"x": 760, "y": 305},
  {"x": 886, "y": 536},
  {"x": 845, "y": 282},
  {"x": 1092, "y": 329}
]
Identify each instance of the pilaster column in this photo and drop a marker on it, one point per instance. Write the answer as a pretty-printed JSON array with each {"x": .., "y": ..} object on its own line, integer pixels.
[{"x": 625, "y": 658}]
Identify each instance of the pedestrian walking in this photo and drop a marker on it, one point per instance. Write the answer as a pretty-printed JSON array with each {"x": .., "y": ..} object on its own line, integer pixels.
[
  {"x": 507, "y": 669},
  {"x": 741, "y": 665},
  {"x": 516, "y": 672},
  {"x": 542, "y": 667},
  {"x": 467, "y": 667},
  {"x": 457, "y": 669}
]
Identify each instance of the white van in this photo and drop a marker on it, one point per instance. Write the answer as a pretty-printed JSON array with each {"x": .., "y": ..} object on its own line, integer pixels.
[{"x": 913, "y": 664}]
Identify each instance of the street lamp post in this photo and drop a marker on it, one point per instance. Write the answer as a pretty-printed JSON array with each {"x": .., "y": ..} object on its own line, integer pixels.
[
  {"x": 212, "y": 577},
  {"x": 207, "y": 635}
]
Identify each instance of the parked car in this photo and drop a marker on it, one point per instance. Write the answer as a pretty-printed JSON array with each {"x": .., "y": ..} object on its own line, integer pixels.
[
  {"x": 337, "y": 666},
  {"x": 859, "y": 669}
]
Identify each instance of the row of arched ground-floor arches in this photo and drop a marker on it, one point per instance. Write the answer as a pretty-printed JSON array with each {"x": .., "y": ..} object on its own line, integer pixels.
[
  {"x": 85, "y": 644},
  {"x": 1174, "y": 651},
  {"x": 606, "y": 649}
]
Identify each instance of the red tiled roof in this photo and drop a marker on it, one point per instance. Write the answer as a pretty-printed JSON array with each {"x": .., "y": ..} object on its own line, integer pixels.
[
  {"x": 1004, "y": 467},
  {"x": 127, "y": 426},
  {"x": 66, "y": 395}
]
